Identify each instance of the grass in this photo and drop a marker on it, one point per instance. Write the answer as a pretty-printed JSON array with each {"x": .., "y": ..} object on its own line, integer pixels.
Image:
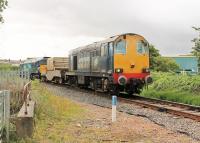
[
  {"x": 53, "y": 115},
  {"x": 173, "y": 87},
  {"x": 9, "y": 80},
  {"x": 175, "y": 96},
  {"x": 56, "y": 121},
  {"x": 7, "y": 67}
]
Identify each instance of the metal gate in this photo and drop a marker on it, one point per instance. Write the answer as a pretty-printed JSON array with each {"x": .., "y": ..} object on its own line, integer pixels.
[{"x": 4, "y": 113}]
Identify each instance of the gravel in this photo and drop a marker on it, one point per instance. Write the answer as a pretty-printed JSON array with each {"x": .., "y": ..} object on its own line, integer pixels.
[{"x": 174, "y": 123}]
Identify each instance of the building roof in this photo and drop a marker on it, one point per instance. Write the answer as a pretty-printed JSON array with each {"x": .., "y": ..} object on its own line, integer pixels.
[
  {"x": 182, "y": 56},
  {"x": 32, "y": 60}
]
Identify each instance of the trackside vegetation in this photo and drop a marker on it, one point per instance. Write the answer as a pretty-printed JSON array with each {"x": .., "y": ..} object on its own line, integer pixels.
[
  {"x": 175, "y": 87},
  {"x": 3, "y": 5},
  {"x": 53, "y": 115},
  {"x": 8, "y": 67},
  {"x": 159, "y": 63}
]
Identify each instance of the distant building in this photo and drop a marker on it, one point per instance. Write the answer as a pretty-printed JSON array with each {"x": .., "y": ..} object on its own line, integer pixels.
[
  {"x": 12, "y": 62},
  {"x": 187, "y": 63}
]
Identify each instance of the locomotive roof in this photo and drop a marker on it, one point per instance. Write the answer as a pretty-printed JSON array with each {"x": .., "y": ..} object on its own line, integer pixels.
[
  {"x": 32, "y": 60},
  {"x": 111, "y": 39}
]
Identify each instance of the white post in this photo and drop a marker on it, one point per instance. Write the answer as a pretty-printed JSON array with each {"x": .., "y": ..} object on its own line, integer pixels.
[{"x": 114, "y": 108}]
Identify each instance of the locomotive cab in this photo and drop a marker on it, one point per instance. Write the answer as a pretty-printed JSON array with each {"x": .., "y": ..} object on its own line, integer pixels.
[{"x": 131, "y": 63}]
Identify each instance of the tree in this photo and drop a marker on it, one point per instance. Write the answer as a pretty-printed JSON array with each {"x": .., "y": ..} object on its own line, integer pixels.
[
  {"x": 196, "y": 48},
  {"x": 159, "y": 63},
  {"x": 165, "y": 64},
  {"x": 3, "y": 5},
  {"x": 153, "y": 53}
]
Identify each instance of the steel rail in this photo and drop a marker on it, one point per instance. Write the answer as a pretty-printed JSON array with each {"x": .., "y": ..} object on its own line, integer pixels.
[
  {"x": 176, "y": 104},
  {"x": 172, "y": 108}
]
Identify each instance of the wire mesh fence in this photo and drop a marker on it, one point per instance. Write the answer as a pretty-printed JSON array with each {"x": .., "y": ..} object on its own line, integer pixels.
[
  {"x": 11, "y": 96},
  {"x": 13, "y": 79},
  {"x": 4, "y": 114}
]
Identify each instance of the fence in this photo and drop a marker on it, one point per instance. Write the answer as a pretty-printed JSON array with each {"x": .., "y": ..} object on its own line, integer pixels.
[
  {"x": 4, "y": 114},
  {"x": 13, "y": 79},
  {"x": 24, "y": 125},
  {"x": 11, "y": 96},
  {"x": 27, "y": 96}
]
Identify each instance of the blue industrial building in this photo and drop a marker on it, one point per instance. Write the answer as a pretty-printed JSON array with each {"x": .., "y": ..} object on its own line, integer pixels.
[{"x": 187, "y": 63}]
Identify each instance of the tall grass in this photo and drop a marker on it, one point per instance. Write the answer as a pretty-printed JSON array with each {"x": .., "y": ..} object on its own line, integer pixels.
[
  {"x": 10, "y": 80},
  {"x": 8, "y": 67},
  {"x": 173, "y": 95},
  {"x": 53, "y": 113},
  {"x": 170, "y": 81},
  {"x": 174, "y": 87}
]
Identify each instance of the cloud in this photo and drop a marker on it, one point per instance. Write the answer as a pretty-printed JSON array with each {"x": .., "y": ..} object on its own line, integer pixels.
[{"x": 53, "y": 27}]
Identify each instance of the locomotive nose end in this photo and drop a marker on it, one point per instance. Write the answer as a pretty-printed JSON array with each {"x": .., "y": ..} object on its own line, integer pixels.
[{"x": 148, "y": 79}]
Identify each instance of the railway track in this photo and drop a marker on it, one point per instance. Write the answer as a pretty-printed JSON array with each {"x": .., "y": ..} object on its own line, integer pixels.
[{"x": 178, "y": 109}]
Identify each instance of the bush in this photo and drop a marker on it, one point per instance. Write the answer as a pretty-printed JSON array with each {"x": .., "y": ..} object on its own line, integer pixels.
[
  {"x": 170, "y": 81},
  {"x": 174, "y": 87},
  {"x": 165, "y": 64},
  {"x": 159, "y": 63},
  {"x": 175, "y": 96}
]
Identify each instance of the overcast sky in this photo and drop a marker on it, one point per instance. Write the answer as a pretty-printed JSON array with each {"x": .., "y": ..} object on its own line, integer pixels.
[{"x": 53, "y": 27}]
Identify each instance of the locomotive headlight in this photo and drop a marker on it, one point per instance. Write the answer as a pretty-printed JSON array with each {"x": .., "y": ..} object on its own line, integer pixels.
[
  {"x": 118, "y": 70},
  {"x": 146, "y": 70}
]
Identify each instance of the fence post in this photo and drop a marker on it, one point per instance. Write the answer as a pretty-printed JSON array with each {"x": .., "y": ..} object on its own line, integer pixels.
[
  {"x": 1, "y": 114},
  {"x": 114, "y": 108},
  {"x": 7, "y": 113},
  {"x": 25, "y": 98}
]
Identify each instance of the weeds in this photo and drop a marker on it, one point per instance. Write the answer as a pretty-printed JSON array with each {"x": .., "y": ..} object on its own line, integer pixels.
[
  {"x": 53, "y": 113},
  {"x": 8, "y": 67},
  {"x": 175, "y": 96},
  {"x": 174, "y": 87}
]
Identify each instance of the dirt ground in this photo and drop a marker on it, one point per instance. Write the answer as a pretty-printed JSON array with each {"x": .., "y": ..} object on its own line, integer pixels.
[{"x": 97, "y": 127}]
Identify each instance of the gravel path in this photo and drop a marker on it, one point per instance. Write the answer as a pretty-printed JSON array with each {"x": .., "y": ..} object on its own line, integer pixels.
[{"x": 176, "y": 124}]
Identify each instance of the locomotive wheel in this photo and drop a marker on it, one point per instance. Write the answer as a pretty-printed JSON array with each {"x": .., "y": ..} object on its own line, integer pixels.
[
  {"x": 32, "y": 77},
  {"x": 114, "y": 90},
  {"x": 130, "y": 93},
  {"x": 76, "y": 82},
  {"x": 95, "y": 85},
  {"x": 43, "y": 79},
  {"x": 105, "y": 85},
  {"x": 60, "y": 81}
]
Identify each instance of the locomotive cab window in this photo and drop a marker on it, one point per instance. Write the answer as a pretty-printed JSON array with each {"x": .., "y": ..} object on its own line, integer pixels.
[
  {"x": 120, "y": 47},
  {"x": 142, "y": 47}
]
